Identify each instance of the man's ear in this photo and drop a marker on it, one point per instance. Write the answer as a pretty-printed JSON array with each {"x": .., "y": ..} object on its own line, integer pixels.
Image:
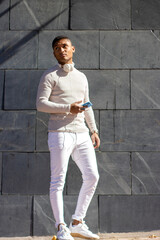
[{"x": 73, "y": 48}]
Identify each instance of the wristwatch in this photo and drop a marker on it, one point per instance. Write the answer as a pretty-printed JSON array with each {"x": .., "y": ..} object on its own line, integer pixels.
[{"x": 95, "y": 131}]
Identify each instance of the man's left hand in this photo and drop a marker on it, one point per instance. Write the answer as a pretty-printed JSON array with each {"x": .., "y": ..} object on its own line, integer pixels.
[{"x": 95, "y": 140}]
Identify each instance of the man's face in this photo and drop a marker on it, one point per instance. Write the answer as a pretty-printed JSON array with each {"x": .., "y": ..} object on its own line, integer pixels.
[{"x": 63, "y": 51}]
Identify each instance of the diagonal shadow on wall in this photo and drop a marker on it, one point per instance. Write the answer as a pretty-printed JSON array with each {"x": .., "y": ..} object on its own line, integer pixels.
[
  {"x": 9, "y": 8},
  {"x": 9, "y": 50}
]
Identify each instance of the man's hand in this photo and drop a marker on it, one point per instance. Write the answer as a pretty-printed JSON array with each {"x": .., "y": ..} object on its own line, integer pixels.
[
  {"x": 77, "y": 108},
  {"x": 95, "y": 140}
]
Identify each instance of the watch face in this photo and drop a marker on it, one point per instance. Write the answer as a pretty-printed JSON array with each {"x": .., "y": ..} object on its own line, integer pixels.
[{"x": 95, "y": 132}]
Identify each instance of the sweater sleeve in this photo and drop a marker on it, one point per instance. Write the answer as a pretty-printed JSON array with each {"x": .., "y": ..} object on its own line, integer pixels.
[
  {"x": 89, "y": 115},
  {"x": 43, "y": 103}
]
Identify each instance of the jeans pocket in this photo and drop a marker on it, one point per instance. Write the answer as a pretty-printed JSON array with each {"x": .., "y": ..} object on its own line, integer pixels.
[{"x": 56, "y": 140}]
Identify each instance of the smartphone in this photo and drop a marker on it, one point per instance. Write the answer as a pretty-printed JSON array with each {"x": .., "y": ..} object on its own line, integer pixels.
[{"x": 87, "y": 104}]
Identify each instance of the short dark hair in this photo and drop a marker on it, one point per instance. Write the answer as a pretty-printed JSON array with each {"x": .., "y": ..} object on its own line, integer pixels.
[{"x": 58, "y": 38}]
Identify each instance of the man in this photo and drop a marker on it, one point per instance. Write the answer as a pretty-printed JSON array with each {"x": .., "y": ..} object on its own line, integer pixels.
[{"x": 62, "y": 91}]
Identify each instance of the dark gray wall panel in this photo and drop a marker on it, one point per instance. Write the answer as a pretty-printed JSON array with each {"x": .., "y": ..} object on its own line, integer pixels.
[
  {"x": 107, "y": 130},
  {"x": 129, "y": 213},
  {"x": 42, "y": 131},
  {"x": 44, "y": 223},
  {"x": 109, "y": 89},
  {"x": 4, "y": 15},
  {"x": 17, "y": 131},
  {"x": 102, "y": 14},
  {"x": 19, "y": 49},
  {"x": 1, "y": 88},
  {"x": 50, "y": 14},
  {"x": 15, "y": 217},
  {"x": 145, "y": 14},
  {"x": 145, "y": 87},
  {"x": 129, "y": 49},
  {"x": 26, "y": 173},
  {"x": 130, "y": 130},
  {"x": 145, "y": 173},
  {"x": 21, "y": 89},
  {"x": 84, "y": 56},
  {"x": 0, "y": 171},
  {"x": 115, "y": 173},
  {"x": 114, "y": 170}
]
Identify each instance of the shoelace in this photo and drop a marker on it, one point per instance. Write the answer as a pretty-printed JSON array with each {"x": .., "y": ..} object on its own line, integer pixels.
[
  {"x": 65, "y": 230},
  {"x": 84, "y": 225}
]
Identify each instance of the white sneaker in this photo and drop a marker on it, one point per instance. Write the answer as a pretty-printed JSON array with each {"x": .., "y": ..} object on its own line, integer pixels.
[
  {"x": 81, "y": 230},
  {"x": 64, "y": 233}
]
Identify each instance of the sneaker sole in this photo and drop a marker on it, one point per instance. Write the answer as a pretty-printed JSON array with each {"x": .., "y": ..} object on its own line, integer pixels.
[{"x": 81, "y": 236}]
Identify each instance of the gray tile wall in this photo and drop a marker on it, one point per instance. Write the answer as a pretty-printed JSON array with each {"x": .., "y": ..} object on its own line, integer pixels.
[{"x": 118, "y": 48}]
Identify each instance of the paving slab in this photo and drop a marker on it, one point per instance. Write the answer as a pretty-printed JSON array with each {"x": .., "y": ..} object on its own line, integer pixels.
[{"x": 112, "y": 236}]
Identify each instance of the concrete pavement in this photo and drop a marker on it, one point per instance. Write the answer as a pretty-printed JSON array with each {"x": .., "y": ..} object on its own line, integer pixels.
[{"x": 152, "y": 235}]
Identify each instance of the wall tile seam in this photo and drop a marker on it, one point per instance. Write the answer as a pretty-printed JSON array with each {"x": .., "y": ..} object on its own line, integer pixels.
[
  {"x": 69, "y": 15},
  {"x": 129, "y": 195},
  {"x": 131, "y": 18},
  {"x": 1, "y": 173},
  {"x": 130, "y": 85},
  {"x": 19, "y": 110},
  {"x": 119, "y": 69},
  {"x": 32, "y": 217},
  {"x": 95, "y": 109},
  {"x": 127, "y": 30},
  {"x": 98, "y": 31},
  {"x": 141, "y": 151},
  {"x": 9, "y": 9},
  {"x": 23, "y": 69},
  {"x": 97, "y": 151},
  {"x": 89, "y": 69},
  {"x": 131, "y": 173},
  {"x": 80, "y": 69},
  {"x": 98, "y": 205},
  {"x": 30, "y": 152},
  {"x": 3, "y": 93},
  {"x": 80, "y": 30},
  {"x": 123, "y": 69},
  {"x": 109, "y": 109},
  {"x": 73, "y": 195},
  {"x": 127, "y": 110},
  {"x": 11, "y": 151}
]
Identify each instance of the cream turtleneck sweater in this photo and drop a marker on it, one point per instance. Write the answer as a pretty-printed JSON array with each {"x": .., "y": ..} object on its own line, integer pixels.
[{"x": 56, "y": 92}]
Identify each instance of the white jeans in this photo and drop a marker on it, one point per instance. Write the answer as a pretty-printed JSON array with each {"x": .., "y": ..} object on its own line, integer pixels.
[{"x": 80, "y": 147}]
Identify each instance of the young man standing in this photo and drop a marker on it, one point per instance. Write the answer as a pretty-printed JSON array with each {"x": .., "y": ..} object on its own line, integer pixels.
[{"x": 62, "y": 91}]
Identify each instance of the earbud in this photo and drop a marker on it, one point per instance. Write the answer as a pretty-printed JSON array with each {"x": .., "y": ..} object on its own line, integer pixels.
[{"x": 67, "y": 67}]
